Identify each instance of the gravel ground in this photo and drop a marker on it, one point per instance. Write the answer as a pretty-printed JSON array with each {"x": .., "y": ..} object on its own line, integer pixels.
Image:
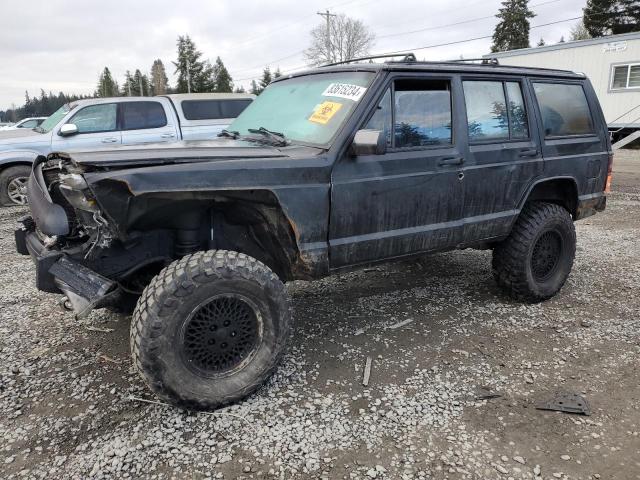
[{"x": 440, "y": 334}]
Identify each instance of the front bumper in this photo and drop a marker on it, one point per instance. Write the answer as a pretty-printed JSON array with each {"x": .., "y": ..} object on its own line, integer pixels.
[{"x": 56, "y": 272}]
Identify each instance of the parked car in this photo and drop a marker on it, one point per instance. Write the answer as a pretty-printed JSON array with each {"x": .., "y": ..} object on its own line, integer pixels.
[
  {"x": 27, "y": 123},
  {"x": 109, "y": 122},
  {"x": 328, "y": 170}
]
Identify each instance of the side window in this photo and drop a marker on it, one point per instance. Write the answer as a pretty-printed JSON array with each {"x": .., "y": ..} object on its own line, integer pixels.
[
  {"x": 201, "y": 109},
  {"x": 564, "y": 109},
  {"x": 381, "y": 118},
  {"x": 487, "y": 114},
  {"x": 142, "y": 115},
  {"x": 625, "y": 76},
  {"x": 29, "y": 124},
  {"x": 422, "y": 113},
  {"x": 518, "y": 127},
  {"x": 96, "y": 118},
  {"x": 233, "y": 108}
]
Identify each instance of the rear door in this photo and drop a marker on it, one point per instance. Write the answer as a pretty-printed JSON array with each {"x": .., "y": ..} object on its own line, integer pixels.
[
  {"x": 503, "y": 157},
  {"x": 408, "y": 200},
  {"x": 146, "y": 122},
  {"x": 574, "y": 135},
  {"x": 97, "y": 127}
]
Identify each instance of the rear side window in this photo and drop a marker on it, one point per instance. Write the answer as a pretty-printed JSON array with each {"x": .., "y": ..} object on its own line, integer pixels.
[
  {"x": 495, "y": 111},
  {"x": 142, "y": 115},
  {"x": 213, "y": 109},
  {"x": 564, "y": 109}
]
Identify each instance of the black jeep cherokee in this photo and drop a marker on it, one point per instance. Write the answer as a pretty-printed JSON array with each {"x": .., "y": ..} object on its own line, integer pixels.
[{"x": 327, "y": 170}]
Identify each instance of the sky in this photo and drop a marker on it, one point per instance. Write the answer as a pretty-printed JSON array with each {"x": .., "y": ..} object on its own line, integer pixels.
[{"x": 63, "y": 45}]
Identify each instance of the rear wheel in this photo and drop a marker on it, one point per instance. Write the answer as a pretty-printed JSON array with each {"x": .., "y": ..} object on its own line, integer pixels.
[
  {"x": 13, "y": 185},
  {"x": 210, "y": 329},
  {"x": 534, "y": 262}
]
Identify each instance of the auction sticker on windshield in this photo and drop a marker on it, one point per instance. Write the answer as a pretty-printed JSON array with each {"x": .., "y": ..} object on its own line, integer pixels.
[
  {"x": 324, "y": 112},
  {"x": 344, "y": 90}
]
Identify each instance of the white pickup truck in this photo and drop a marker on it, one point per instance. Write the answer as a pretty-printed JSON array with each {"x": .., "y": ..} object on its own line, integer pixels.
[{"x": 105, "y": 122}]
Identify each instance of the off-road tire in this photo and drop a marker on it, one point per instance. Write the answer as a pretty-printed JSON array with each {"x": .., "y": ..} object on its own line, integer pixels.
[
  {"x": 514, "y": 260},
  {"x": 6, "y": 176},
  {"x": 164, "y": 309}
]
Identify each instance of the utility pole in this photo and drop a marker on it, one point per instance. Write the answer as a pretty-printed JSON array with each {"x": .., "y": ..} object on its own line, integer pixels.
[
  {"x": 328, "y": 16},
  {"x": 188, "y": 77},
  {"x": 140, "y": 83}
]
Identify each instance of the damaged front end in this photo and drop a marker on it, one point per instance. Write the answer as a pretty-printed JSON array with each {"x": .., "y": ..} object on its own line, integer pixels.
[{"x": 67, "y": 236}]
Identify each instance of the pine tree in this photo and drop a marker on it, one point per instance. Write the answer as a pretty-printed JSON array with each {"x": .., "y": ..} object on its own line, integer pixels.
[
  {"x": 107, "y": 86},
  {"x": 140, "y": 85},
  {"x": 159, "y": 81},
  {"x": 193, "y": 74},
  {"x": 222, "y": 78},
  {"x": 606, "y": 17},
  {"x": 128, "y": 88},
  {"x": 541, "y": 43},
  {"x": 266, "y": 78},
  {"x": 278, "y": 73},
  {"x": 255, "y": 90},
  {"x": 512, "y": 31},
  {"x": 561, "y": 39},
  {"x": 240, "y": 89}
]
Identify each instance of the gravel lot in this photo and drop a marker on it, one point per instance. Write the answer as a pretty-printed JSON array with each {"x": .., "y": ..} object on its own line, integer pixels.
[{"x": 439, "y": 333}]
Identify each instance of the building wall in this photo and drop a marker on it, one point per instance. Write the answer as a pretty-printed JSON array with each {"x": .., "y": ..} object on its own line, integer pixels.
[{"x": 596, "y": 61}]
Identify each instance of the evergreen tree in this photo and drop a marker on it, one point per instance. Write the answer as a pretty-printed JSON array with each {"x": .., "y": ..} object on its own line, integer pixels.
[
  {"x": 159, "y": 81},
  {"x": 254, "y": 88},
  {"x": 541, "y": 43},
  {"x": 107, "y": 86},
  {"x": 606, "y": 17},
  {"x": 278, "y": 73},
  {"x": 266, "y": 78},
  {"x": 222, "y": 78},
  {"x": 512, "y": 31},
  {"x": 128, "y": 88},
  {"x": 240, "y": 89},
  {"x": 141, "y": 86},
  {"x": 193, "y": 74},
  {"x": 561, "y": 39}
]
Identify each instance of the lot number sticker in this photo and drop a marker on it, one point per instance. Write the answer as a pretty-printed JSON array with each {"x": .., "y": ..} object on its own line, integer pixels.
[
  {"x": 324, "y": 112},
  {"x": 344, "y": 90}
]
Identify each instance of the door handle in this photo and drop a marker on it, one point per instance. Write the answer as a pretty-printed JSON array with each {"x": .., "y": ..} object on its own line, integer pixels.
[
  {"x": 168, "y": 135},
  {"x": 109, "y": 140},
  {"x": 451, "y": 161},
  {"x": 529, "y": 152}
]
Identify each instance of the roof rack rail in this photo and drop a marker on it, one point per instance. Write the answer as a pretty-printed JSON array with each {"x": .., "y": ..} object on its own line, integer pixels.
[
  {"x": 482, "y": 60},
  {"x": 407, "y": 58}
]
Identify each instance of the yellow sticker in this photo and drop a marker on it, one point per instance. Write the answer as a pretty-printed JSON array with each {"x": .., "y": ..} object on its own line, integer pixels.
[{"x": 324, "y": 112}]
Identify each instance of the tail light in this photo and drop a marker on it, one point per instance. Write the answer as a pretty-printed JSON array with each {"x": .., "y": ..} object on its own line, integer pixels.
[{"x": 607, "y": 185}]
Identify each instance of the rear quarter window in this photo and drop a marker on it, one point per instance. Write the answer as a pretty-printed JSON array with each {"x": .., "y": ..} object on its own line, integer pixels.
[
  {"x": 564, "y": 109},
  {"x": 213, "y": 109}
]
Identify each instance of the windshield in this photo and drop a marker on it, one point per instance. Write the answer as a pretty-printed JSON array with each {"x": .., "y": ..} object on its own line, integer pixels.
[
  {"x": 53, "y": 120},
  {"x": 308, "y": 109}
]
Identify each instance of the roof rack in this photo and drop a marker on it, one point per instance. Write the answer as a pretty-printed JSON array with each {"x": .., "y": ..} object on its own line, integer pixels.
[
  {"x": 483, "y": 60},
  {"x": 407, "y": 58}
]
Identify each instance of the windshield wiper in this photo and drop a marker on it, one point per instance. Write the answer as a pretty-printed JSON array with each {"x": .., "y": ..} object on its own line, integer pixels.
[
  {"x": 277, "y": 137},
  {"x": 229, "y": 133}
]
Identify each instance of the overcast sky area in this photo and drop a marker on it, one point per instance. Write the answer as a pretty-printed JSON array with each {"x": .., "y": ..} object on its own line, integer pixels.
[{"x": 63, "y": 45}]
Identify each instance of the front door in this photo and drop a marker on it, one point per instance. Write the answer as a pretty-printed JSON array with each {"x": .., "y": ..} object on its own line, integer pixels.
[
  {"x": 97, "y": 127},
  {"x": 409, "y": 199}
]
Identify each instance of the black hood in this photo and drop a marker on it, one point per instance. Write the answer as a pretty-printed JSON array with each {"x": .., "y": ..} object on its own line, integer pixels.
[{"x": 178, "y": 152}]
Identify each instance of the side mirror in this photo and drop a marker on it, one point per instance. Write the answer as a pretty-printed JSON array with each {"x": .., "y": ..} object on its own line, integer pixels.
[
  {"x": 369, "y": 142},
  {"x": 68, "y": 129}
]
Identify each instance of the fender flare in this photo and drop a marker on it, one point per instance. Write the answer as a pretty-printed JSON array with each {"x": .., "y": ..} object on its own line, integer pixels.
[{"x": 540, "y": 181}]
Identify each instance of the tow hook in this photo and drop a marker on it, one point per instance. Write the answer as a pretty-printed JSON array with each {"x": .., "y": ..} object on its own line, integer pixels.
[{"x": 65, "y": 303}]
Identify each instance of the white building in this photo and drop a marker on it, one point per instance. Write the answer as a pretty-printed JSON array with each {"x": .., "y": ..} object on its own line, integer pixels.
[{"x": 612, "y": 64}]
